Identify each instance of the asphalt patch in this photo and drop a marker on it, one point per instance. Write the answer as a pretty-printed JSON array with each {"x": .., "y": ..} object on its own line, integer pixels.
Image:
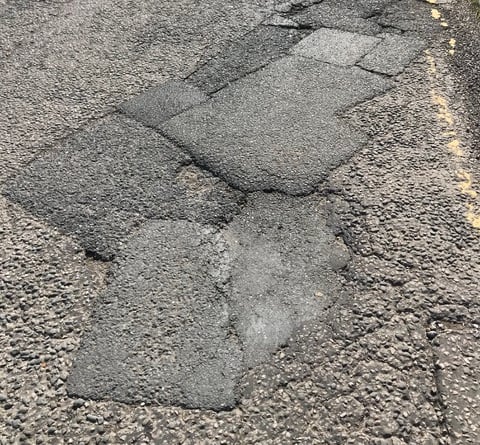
[
  {"x": 160, "y": 333},
  {"x": 254, "y": 50},
  {"x": 189, "y": 308},
  {"x": 162, "y": 102},
  {"x": 284, "y": 261},
  {"x": 104, "y": 181},
  {"x": 408, "y": 16},
  {"x": 334, "y": 46},
  {"x": 392, "y": 54},
  {"x": 276, "y": 129},
  {"x": 338, "y": 16}
]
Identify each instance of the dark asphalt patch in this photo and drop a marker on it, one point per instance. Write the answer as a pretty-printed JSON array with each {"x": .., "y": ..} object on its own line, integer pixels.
[
  {"x": 254, "y": 50},
  {"x": 104, "y": 181},
  {"x": 190, "y": 308},
  {"x": 409, "y": 16},
  {"x": 160, "y": 333},
  {"x": 161, "y": 103}
]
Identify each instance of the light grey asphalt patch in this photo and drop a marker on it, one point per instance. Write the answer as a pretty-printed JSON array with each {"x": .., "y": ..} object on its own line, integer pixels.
[
  {"x": 254, "y": 50},
  {"x": 160, "y": 103},
  {"x": 103, "y": 181},
  {"x": 188, "y": 308},
  {"x": 392, "y": 54},
  {"x": 283, "y": 270},
  {"x": 276, "y": 129},
  {"x": 160, "y": 333},
  {"x": 334, "y": 46}
]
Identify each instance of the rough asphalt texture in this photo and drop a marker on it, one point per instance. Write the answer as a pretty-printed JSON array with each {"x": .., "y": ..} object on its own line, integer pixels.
[
  {"x": 266, "y": 275},
  {"x": 376, "y": 346},
  {"x": 465, "y": 63}
]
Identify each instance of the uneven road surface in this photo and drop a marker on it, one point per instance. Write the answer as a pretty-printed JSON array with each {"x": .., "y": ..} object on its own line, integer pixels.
[{"x": 239, "y": 222}]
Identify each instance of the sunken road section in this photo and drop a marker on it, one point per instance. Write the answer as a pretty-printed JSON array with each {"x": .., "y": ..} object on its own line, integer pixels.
[{"x": 211, "y": 273}]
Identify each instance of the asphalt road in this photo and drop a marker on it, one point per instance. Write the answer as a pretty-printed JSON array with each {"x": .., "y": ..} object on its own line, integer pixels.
[{"x": 239, "y": 222}]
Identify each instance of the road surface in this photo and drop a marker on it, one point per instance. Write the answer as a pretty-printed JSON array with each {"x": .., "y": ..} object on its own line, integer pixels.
[{"x": 249, "y": 222}]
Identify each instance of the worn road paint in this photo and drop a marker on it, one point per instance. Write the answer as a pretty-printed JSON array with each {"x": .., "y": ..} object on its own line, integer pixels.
[
  {"x": 453, "y": 44},
  {"x": 432, "y": 66},
  {"x": 454, "y": 147},
  {"x": 449, "y": 133},
  {"x": 443, "y": 111},
  {"x": 437, "y": 15},
  {"x": 473, "y": 217},
  {"x": 444, "y": 115},
  {"x": 466, "y": 183}
]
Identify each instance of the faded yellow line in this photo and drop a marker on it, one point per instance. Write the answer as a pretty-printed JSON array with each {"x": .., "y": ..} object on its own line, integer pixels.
[
  {"x": 449, "y": 133},
  {"x": 443, "y": 111},
  {"x": 437, "y": 15},
  {"x": 465, "y": 178},
  {"x": 453, "y": 44},
  {"x": 432, "y": 65},
  {"x": 472, "y": 216},
  {"x": 466, "y": 183}
]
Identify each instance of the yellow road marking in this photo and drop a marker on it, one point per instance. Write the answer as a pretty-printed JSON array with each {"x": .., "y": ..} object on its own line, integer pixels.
[
  {"x": 466, "y": 184},
  {"x": 454, "y": 147},
  {"x": 453, "y": 44},
  {"x": 443, "y": 111},
  {"x": 473, "y": 217},
  {"x": 465, "y": 179},
  {"x": 436, "y": 14},
  {"x": 449, "y": 133}
]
